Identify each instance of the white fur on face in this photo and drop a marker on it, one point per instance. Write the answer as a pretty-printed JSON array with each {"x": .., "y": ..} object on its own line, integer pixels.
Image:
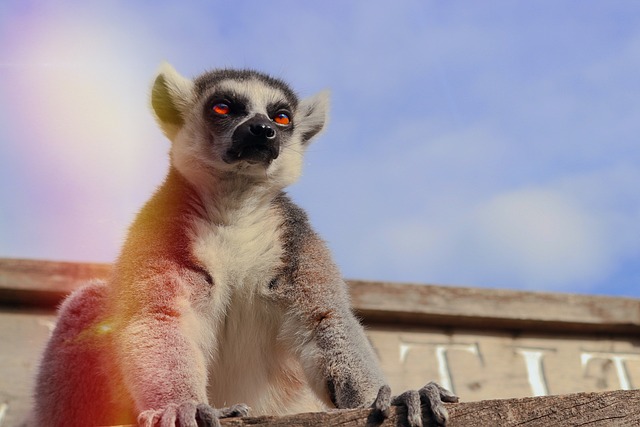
[
  {"x": 259, "y": 94},
  {"x": 197, "y": 158}
]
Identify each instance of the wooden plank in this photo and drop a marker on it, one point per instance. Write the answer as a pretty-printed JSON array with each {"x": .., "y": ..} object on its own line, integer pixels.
[
  {"x": 494, "y": 308},
  {"x": 32, "y": 282},
  {"x": 44, "y": 283},
  {"x": 607, "y": 409}
]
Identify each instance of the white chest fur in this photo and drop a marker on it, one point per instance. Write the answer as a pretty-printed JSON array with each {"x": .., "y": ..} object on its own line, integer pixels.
[
  {"x": 248, "y": 364},
  {"x": 242, "y": 255}
]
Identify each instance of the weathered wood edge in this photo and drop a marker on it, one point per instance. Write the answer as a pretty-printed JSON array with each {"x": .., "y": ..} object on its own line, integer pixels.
[
  {"x": 604, "y": 409},
  {"x": 383, "y": 302},
  {"x": 27, "y": 282},
  {"x": 35, "y": 283}
]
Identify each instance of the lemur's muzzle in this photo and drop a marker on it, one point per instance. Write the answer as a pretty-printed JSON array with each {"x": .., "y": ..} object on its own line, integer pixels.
[{"x": 255, "y": 141}]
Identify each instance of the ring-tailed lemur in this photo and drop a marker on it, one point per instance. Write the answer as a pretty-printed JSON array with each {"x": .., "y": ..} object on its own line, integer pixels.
[{"x": 223, "y": 295}]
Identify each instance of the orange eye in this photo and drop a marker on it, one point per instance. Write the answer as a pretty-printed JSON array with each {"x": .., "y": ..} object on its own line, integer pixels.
[
  {"x": 282, "y": 119},
  {"x": 221, "y": 109}
]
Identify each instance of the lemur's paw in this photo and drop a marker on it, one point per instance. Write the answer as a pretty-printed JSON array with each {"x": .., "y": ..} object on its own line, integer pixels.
[
  {"x": 237, "y": 410},
  {"x": 208, "y": 416},
  {"x": 432, "y": 395},
  {"x": 189, "y": 414}
]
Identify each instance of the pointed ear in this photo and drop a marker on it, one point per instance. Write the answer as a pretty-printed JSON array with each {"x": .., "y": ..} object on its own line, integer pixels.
[
  {"x": 312, "y": 115},
  {"x": 171, "y": 95}
]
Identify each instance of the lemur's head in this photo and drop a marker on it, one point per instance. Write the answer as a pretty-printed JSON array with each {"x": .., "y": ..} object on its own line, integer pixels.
[{"x": 236, "y": 122}]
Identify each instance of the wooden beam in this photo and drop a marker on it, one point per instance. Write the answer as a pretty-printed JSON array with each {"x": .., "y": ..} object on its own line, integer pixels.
[
  {"x": 32, "y": 283},
  {"x": 606, "y": 409},
  {"x": 44, "y": 283},
  {"x": 383, "y": 302}
]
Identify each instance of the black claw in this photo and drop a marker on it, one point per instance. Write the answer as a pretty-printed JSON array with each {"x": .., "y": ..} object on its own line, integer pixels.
[{"x": 238, "y": 410}]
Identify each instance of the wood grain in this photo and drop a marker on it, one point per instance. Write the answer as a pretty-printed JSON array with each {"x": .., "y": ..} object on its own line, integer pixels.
[{"x": 607, "y": 409}]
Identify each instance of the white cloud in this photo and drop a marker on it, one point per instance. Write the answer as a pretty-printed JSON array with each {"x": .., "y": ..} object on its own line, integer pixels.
[
  {"x": 529, "y": 238},
  {"x": 569, "y": 235},
  {"x": 533, "y": 237}
]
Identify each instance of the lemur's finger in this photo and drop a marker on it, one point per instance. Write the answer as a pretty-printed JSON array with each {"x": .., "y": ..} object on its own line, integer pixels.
[
  {"x": 149, "y": 418},
  {"x": 207, "y": 416},
  {"x": 410, "y": 399},
  {"x": 186, "y": 415},
  {"x": 382, "y": 404},
  {"x": 431, "y": 394},
  {"x": 446, "y": 395}
]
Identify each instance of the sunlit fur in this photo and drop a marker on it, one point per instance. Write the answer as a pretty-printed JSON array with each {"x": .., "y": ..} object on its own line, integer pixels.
[{"x": 222, "y": 294}]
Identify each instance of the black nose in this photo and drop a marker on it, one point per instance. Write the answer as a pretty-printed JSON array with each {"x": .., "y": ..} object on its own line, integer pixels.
[
  {"x": 262, "y": 130},
  {"x": 255, "y": 141}
]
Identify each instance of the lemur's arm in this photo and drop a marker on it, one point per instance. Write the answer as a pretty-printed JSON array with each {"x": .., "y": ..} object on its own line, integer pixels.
[
  {"x": 341, "y": 364},
  {"x": 347, "y": 368},
  {"x": 338, "y": 359},
  {"x": 161, "y": 350},
  {"x": 161, "y": 363}
]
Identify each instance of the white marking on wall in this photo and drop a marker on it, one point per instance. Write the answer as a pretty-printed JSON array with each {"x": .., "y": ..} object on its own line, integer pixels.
[
  {"x": 619, "y": 362},
  {"x": 404, "y": 350},
  {"x": 535, "y": 370},
  {"x": 443, "y": 363},
  {"x": 444, "y": 371},
  {"x": 3, "y": 411}
]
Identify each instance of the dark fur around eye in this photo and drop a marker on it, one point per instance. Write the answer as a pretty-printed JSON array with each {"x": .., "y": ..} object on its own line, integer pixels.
[
  {"x": 280, "y": 107},
  {"x": 236, "y": 104}
]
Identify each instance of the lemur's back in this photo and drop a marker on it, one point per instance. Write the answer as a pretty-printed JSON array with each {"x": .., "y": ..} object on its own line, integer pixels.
[{"x": 78, "y": 383}]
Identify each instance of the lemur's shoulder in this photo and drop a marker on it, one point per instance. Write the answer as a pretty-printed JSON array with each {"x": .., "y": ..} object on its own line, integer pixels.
[
  {"x": 293, "y": 215},
  {"x": 160, "y": 236},
  {"x": 307, "y": 258}
]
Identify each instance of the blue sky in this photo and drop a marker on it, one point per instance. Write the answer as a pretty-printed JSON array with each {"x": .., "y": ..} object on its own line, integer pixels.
[{"x": 489, "y": 144}]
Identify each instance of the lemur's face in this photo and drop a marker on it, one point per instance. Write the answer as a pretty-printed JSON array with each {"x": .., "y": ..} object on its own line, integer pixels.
[
  {"x": 248, "y": 121},
  {"x": 236, "y": 122}
]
